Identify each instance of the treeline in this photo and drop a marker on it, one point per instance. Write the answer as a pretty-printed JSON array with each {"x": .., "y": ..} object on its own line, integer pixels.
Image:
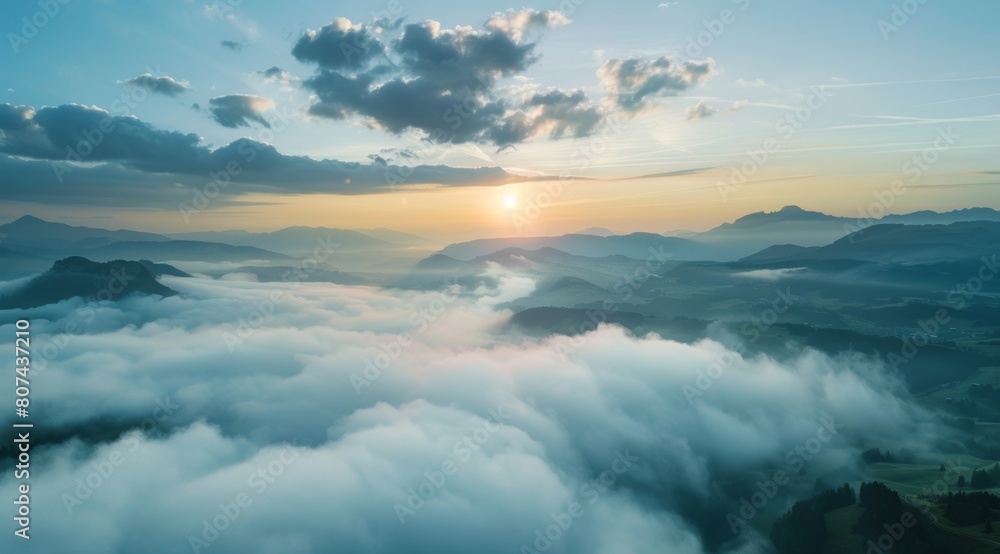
[
  {"x": 971, "y": 508},
  {"x": 980, "y": 478},
  {"x": 874, "y": 456},
  {"x": 803, "y": 528},
  {"x": 886, "y": 525},
  {"x": 887, "y": 522}
]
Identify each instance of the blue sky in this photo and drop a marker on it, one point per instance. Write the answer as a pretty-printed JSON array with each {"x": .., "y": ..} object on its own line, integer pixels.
[{"x": 892, "y": 90}]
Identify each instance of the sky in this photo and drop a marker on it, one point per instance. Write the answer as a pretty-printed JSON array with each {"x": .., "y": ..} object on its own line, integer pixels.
[{"x": 492, "y": 119}]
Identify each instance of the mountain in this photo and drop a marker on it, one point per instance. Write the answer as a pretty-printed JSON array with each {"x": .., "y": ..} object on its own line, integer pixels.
[
  {"x": 597, "y": 232},
  {"x": 640, "y": 246},
  {"x": 928, "y": 217},
  {"x": 15, "y": 264},
  {"x": 183, "y": 250},
  {"x": 570, "y": 321},
  {"x": 31, "y": 232},
  {"x": 397, "y": 237},
  {"x": 296, "y": 241},
  {"x": 159, "y": 270},
  {"x": 754, "y": 232},
  {"x": 293, "y": 275},
  {"x": 897, "y": 243},
  {"x": 76, "y": 276},
  {"x": 544, "y": 266}
]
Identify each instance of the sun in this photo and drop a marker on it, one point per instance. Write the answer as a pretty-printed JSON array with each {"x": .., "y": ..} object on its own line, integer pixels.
[{"x": 510, "y": 201}]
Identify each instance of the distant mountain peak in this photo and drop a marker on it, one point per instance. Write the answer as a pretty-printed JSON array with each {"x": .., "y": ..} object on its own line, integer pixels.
[
  {"x": 791, "y": 209},
  {"x": 29, "y": 219}
]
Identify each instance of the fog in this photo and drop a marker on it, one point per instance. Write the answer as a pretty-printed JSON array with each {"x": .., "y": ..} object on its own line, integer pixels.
[{"x": 308, "y": 417}]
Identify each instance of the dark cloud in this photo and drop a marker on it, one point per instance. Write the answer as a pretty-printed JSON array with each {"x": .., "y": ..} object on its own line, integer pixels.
[
  {"x": 555, "y": 113},
  {"x": 240, "y": 110},
  {"x": 442, "y": 82},
  {"x": 83, "y": 133},
  {"x": 277, "y": 74},
  {"x": 141, "y": 165},
  {"x": 339, "y": 45},
  {"x": 161, "y": 85},
  {"x": 15, "y": 118},
  {"x": 232, "y": 45},
  {"x": 633, "y": 83}
]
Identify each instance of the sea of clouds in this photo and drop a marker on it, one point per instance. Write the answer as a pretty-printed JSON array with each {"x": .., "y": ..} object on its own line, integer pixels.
[{"x": 293, "y": 418}]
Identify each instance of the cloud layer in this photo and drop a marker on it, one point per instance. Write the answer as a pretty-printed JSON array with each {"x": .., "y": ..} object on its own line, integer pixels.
[
  {"x": 410, "y": 422},
  {"x": 78, "y": 154}
]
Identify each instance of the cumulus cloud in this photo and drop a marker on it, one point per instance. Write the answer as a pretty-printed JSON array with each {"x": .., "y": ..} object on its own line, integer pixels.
[
  {"x": 555, "y": 113},
  {"x": 165, "y": 85},
  {"x": 276, "y": 74},
  {"x": 339, "y": 45},
  {"x": 737, "y": 106},
  {"x": 515, "y": 23},
  {"x": 442, "y": 82},
  {"x": 528, "y": 426},
  {"x": 240, "y": 110},
  {"x": 632, "y": 84},
  {"x": 699, "y": 111}
]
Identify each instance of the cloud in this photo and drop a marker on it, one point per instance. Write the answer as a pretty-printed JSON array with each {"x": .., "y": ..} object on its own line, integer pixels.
[
  {"x": 339, "y": 45},
  {"x": 529, "y": 426},
  {"x": 240, "y": 110},
  {"x": 128, "y": 162},
  {"x": 232, "y": 45},
  {"x": 441, "y": 82},
  {"x": 699, "y": 111},
  {"x": 165, "y": 85},
  {"x": 514, "y": 23},
  {"x": 737, "y": 106},
  {"x": 276, "y": 74},
  {"x": 632, "y": 84},
  {"x": 555, "y": 113}
]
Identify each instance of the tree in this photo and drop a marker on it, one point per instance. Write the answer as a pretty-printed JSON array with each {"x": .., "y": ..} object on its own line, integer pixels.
[
  {"x": 961, "y": 481},
  {"x": 981, "y": 479}
]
